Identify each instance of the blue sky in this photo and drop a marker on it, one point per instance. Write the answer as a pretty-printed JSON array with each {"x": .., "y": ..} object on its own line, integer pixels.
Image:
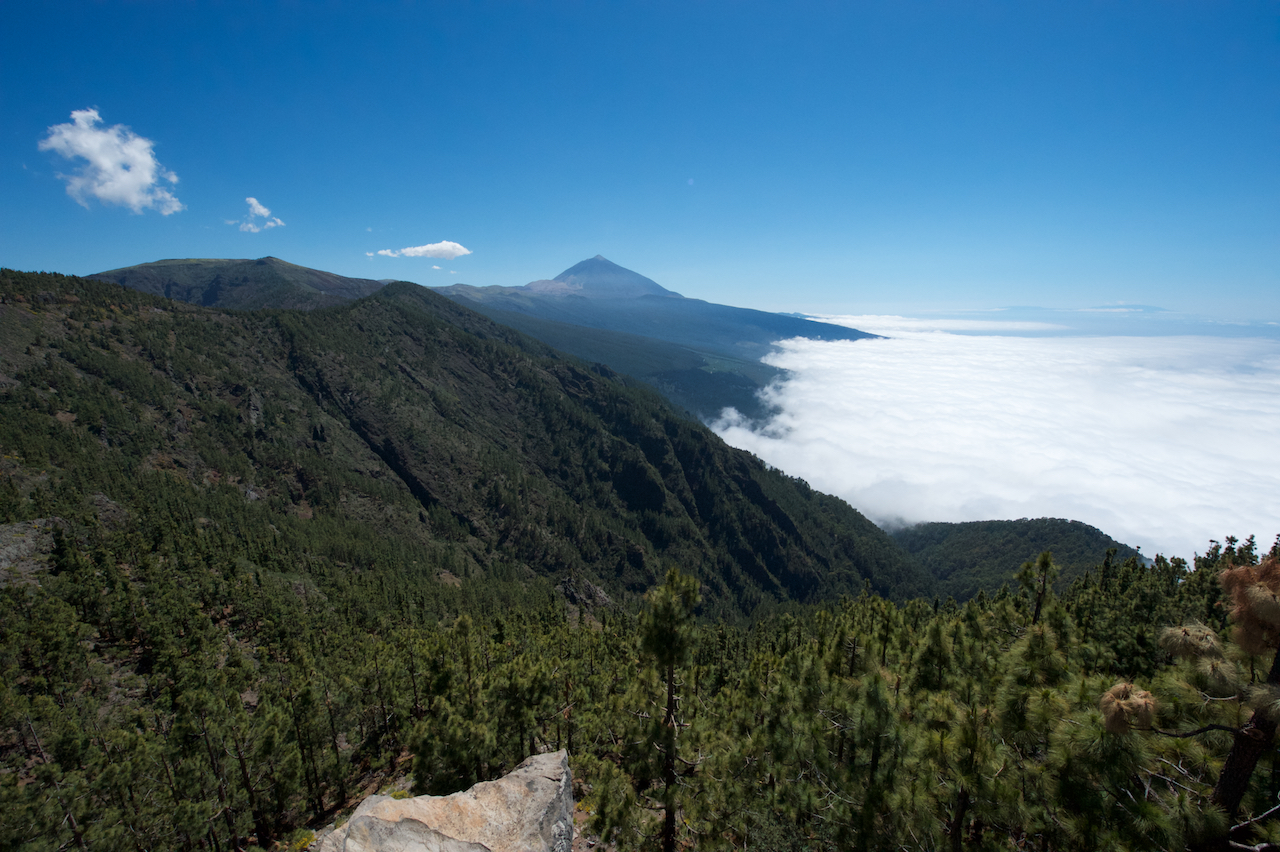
[{"x": 821, "y": 157}]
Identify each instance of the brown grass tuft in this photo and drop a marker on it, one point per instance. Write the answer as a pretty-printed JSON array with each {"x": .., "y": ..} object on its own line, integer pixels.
[
  {"x": 1255, "y": 597},
  {"x": 1124, "y": 706},
  {"x": 1190, "y": 640}
]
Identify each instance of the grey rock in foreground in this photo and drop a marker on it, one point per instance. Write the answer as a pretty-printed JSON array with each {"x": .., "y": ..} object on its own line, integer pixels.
[{"x": 529, "y": 810}]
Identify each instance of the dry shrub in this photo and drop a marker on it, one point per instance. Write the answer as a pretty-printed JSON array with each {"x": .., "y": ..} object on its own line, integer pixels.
[
  {"x": 1264, "y": 603},
  {"x": 1124, "y": 706}
]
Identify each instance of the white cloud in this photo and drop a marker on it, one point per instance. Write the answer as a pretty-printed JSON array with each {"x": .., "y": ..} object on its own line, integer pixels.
[
  {"x": 435, "y": 267},
  {"x": 1162, "y": 442},
  {"x": 257, "y": 211},
  {"x": 446, "y": 250},
  {"x": 120, "y": 167}
]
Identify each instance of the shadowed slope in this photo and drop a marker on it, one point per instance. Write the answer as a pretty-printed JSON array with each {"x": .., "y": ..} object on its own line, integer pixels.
[
  {"x": 727, "y": 342},
  {"x": 967, "y": 557}
]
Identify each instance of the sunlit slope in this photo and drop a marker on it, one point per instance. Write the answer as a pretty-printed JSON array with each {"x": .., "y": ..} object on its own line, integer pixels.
[
  {"x": 420, "y": 422},
  {"x": 266, "y": 282}
]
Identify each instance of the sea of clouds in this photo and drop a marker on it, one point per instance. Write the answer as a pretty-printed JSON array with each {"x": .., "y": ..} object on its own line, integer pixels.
[{"x": 1162, "y": 442}]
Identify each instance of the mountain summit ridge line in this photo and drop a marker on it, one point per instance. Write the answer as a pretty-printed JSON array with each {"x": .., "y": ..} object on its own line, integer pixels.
[{"x": 702, "y": 356}]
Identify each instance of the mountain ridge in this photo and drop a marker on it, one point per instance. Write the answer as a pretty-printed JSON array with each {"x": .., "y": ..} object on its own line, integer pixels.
[
  {"x": 460, "y": 436},
  {"x": 702, "y": 356},
  {"x": 726, "y": 343},
  {"x": 968, "y": 557},
  {"x": 241, "y": 284}
]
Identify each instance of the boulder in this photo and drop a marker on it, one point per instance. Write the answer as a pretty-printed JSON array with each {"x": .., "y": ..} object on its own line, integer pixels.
[{"x": 529, "y": 810}]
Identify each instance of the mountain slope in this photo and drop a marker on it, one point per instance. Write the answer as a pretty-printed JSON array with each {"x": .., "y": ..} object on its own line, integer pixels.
[
  {"x": 967, "y": 557},
  {"x": 599, "y": 294},
  {"x": 701, "y": 383},
  {"x": 406, "y": 418},
  {"x": 600, "y": 278},
  {"x": 267, "y": 282}
]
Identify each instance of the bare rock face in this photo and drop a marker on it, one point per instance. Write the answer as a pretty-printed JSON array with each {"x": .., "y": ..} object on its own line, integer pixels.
[
  {"x": 371, "y": 834},
  {"x": 529, "y": 810}
]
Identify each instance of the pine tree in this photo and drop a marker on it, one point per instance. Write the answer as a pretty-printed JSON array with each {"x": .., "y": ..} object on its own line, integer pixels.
[{"x": 666, "y": 639}]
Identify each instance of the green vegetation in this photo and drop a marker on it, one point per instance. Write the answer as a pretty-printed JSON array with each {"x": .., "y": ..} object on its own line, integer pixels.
[
  {"x": 267, "y": 282},
  {"x": 982, "y": 555},
  {"x": 291, "y": 556},
  {"x": 409, "y": 420}
]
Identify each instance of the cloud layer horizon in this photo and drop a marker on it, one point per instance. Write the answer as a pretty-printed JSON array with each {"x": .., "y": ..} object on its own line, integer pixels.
[{"x": 1164, "y": 443}]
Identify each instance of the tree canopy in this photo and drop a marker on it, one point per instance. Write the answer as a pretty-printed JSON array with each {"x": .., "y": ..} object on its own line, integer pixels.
[{"x": 261, "y": 566}]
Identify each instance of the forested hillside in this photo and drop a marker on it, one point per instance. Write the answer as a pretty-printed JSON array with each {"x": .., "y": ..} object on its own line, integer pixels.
[
  {"x": 262, "y": 563},
  {"x": 967, "y": 557},
  {"x": 267, "y": 282},
  {"x": 426, "y": 425}
]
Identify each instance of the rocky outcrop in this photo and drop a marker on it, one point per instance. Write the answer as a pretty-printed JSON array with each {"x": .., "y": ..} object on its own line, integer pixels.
[
  {"x": 25, "y": 549},
  {"x": 583, "y": 593},
  {"x": 371, "y": 834},
  {"x": 529, "y": 810}
]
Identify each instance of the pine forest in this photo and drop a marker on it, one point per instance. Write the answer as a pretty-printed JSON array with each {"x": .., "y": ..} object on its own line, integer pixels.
[{"x": 263, "y": 563}]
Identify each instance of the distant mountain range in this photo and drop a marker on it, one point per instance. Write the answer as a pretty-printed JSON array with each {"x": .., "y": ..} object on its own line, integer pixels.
[{"x": 702, "y": 356}]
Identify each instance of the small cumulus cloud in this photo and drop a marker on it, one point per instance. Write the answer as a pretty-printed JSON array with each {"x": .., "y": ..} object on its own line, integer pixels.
[
  {"x": 120, "y": 166},
  {"x": 258, "y": 220},
  {"x": 1161, "y": 442},
  {"x": 446, "y": 250},
  {"x": 434, "y": 267}
]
